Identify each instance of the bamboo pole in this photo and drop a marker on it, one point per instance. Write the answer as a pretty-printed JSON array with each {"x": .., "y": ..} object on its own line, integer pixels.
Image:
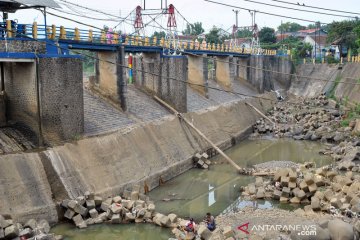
[
  {"x": 259, "y": 112},
  {"x": 200, "y": 133}
]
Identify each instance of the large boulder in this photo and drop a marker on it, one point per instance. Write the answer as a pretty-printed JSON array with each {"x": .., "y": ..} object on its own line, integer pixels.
[{"x": 340, "y": 230}]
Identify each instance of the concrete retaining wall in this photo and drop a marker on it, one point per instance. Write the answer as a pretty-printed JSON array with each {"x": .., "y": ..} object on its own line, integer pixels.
[
  {"x": 109, "y": 164},
  {"x": 164, "y": 76},
  {"x": 264, "y": 72},
  {"x": 60, "y": 113},
  {"x": 23, "y": 46}
]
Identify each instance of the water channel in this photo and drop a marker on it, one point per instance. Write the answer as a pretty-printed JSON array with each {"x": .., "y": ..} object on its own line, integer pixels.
[{"x": 199, "y": 191}]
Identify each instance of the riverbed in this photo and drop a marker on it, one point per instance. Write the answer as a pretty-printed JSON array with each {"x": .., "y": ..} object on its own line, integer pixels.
[{"x": 198, "y": 191}]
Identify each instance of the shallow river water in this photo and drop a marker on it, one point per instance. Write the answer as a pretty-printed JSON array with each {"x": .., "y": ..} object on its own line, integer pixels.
[{"x": 197, "y": 191}]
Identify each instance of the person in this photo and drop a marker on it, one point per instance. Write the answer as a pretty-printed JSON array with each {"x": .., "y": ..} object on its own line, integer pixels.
[
  {"x": 210, "y": 222},
  {"x": 190, "y": 226}
]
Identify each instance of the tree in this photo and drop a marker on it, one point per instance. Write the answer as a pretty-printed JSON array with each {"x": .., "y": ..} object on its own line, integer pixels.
[
  {"x": 194, "y": 29},
  {"x": 267, "y": 35},
  {"x": 159, "y": 35},
  {"x": 244, "y": 33},
  {"x": 344, "y": 33},
  {"x": 290, "y": 27},
  {"x": 213, "y": 36}
]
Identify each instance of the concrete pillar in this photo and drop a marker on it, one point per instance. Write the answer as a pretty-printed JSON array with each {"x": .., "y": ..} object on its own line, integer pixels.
[
  {"x": 147, "y": 71},
  {"x": 111, "y": 76},
  {"x": 198, "y": 73},
  {"x": 223, "y": 73},
  {"x": 173, "y": 83}
]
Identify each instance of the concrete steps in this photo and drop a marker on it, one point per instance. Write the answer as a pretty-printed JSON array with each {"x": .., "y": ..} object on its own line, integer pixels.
[{"x": 12, "y": 141}]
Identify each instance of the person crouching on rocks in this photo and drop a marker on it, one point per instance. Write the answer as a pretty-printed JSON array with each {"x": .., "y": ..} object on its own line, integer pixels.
[
  {"x": 210, "y": 222},
  {"x": 190, "y": 226}
]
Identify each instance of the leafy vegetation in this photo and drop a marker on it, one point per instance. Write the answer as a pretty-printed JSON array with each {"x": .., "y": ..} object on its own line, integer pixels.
[
  {"x": 194, "y": 29},
  {"x": 267, "y": 35}
]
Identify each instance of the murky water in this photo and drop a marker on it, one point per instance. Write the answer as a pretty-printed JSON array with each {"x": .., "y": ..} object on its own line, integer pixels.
[{"x": 198, "y": 191}]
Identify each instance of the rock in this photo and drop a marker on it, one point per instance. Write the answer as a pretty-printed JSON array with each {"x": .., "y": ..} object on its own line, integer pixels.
[
  {"x": 44, "y": 226},
  {"x": 204, "y": 232},
  {"x": 299, "y": 212},
  {"x": 165, "y": 221},
  {"x": 2, "y": 233},
  {"x": 336, "y": 187},
  {"x": 339, "y": 230},
  {"x": 328, "y": 194},
  {"x": 277, "y": 194},
  {"x": 3, "y": 222},
  {"x": 32, "y": 223},
  {"x": 356, "y": 129},
  {"x": 300, "y": 194},
  {"x": 64, "y": 203},
  {"x": 90, "y": 221},
  {"x": 72, "y": 204},
  {"x": 90, "y": 204},
  {"x": 93, "y": 213},
  {"x": 129, "y": 217},
  {"x": 283, "y": 172},
  {"x": 81, "y": 200},
  {"x": 312, "y": 188},
  {"x": 89, "y": 195},
  {"x": 303, "y": 186},
  {"x": 69, "y": 214},
  {"x": 78, "y": 220},
  {"x": 331, "y": 174},
  {"x": 308, "y": 210},
  {"x": 309, "y": 180},
  {"x": 105, "y": 206},
  {"x": 172, "y": 217},
  {"x": 357, "y": 225},
  {"x": 11, "y": 232},
  {"x": 335, "y": 202},
  {"x": 322, "y": 234}
]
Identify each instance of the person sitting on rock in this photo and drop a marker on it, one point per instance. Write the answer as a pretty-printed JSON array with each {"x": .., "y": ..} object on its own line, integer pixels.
[
  {"x": 190, "y": 226},
  {"x": 210, "y": 222}
]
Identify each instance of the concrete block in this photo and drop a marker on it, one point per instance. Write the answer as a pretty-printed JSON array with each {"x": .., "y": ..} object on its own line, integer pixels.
[
  {"x": 105, "y": 206},
  {"x": 335, "y": 202},
  {"x": 31, "y": 223},
  {"x": 129, "y": 217},
  {"x": 81, "y": 200},
  {"x": 116, "y": 219},
  {"x": 3, "y": 222},
  {"x": 78, "y": 220},
  {"x": 65, "y": 202},
  {"x": 252, "y": 188},
  {"x": 205, "y": 155},
  {"x": 116, "y": 208},
  {"x": 93, "y": 213},
  {"x": 172, "y": 217},
  {"x": 300, "y": 194},
  {"x": 26, "y": 232},
  {"x": 134, "y": 196},
  {"x": 117, "y": 199},
  {"x": 260, "y": 194},
  {"x": 331, "y": 174},
  {"x": 90, "y": 221},
  {"x": 2, "y": 233},
  {"x": 140, "y": 203},
  {"x": 309, "y": 179},
  {"x": 292, "y": 176},
  {"x": 303, "y": 186},
  {"x": 284, "y": 199},
  {"x": 81, "y": 210},
  {"x": 11, "y": 232},
  {"x": 151, "y": 207},
  {"x": 259, "y": 182},
  {"x": 292, "y": 185},
  {"x": 89, "y": 195},
  {"x": 295, "y": 200},
  {"x": 72, "y": 204},
  {"x": 44, "y": 226},
  {"x": 165, "y": 221},
  {"x": 312, "y": 188},
  {"x": 103, "y": 216},
  {"x": 283, "y": 172},
  {"x": 98, "y": 200},
  {"x": 336, "y": 187},
  {"x": 90, "y": 204},
  {"x": 315, "y": 204},
  {"x": 285, "y": 181},
  {"x": 204, "y": 232},
  {"x": 286, "y": 192},
  {"x": 277, "y": 194},
  {"x": 69, "y": 214}
]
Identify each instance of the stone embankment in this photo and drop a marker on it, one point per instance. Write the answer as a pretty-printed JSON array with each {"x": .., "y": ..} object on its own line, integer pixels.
[{"x": 31, "y": 230}]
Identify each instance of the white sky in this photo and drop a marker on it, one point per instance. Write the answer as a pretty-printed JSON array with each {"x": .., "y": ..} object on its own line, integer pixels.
[{"x": 195, "y": 10}]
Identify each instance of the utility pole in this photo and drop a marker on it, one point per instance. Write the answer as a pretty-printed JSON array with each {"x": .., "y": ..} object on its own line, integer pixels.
[
  {"x": 144, "y": 4},
  {"x": 237, "y": 20}
]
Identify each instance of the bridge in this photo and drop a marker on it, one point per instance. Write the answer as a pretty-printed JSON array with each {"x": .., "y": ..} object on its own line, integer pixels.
[{"x": 41, "y": 70}]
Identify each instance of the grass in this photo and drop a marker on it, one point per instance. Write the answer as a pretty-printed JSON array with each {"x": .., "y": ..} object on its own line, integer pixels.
[{"x": 332, "y": 91}]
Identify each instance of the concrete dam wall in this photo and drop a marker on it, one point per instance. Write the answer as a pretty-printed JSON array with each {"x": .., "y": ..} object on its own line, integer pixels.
[
  {"x": 341, "y": 81},
  {"x": 32, "y": 183}
]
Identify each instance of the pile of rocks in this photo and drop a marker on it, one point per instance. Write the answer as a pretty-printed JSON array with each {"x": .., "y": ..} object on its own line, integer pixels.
[
  {"x": 132, "y": 207},
  {"x": 29, "y": 230},
  {"x": 321, "y": 189},
  {"x": 202, "y": 161}
]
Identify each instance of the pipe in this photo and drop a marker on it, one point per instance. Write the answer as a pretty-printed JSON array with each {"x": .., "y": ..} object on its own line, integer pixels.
[{"x": 38, "y": 99}]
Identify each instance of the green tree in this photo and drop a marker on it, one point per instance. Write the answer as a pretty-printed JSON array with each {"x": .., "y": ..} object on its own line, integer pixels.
[
  {"x": 290, "y": 27},
  {"x": 194, "y": 29},
  {"x": 213, "y": 36},
  {"x": 159, "y": 35},
  {"x": 345, "y": 33},
  {"x": 244, "y": 33},
  {"x": 267, "y": 35}
]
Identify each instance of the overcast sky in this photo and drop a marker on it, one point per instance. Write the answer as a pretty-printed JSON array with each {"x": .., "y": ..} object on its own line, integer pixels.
[{"x": 195, "y": 11}]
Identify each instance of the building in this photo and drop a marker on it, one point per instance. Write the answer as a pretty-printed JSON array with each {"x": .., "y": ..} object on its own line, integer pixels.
[{"x": 318, "y": 44}]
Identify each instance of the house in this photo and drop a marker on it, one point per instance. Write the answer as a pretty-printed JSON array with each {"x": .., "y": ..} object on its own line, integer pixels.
[
  {"x": 318, "y": 44},
  {"x": 311, "y": 32}
]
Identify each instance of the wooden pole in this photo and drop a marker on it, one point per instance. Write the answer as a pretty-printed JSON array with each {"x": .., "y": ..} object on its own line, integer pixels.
[
  {"x": 258, "y": 111},
  {"x": 200, "y": 133}
]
